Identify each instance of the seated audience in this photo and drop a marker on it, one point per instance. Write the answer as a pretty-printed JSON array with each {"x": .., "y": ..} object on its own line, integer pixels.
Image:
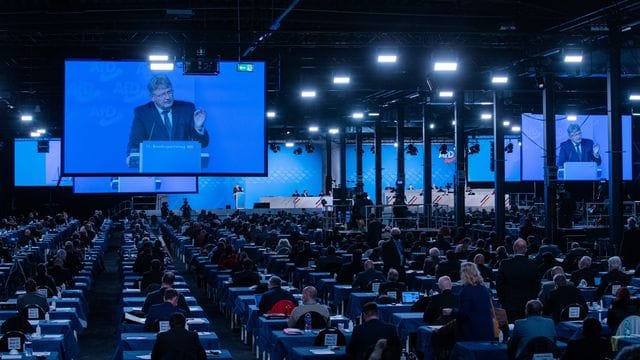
[
  {"x": 348, "y": 271},
  {"x": 485, "y": 271},
  {"x": 366, "y": 277},
  {"x": 153, "y": 276},
  {"x": 584, "y": 272},
  {"x": 532, "y": 326},
  {"x": 178, "y": 342},
  {"x": 431, "y": 262},
  {"x": 275, "y": 294},
  {"x": 157, "y": 297},
  {"x": 366, "y": 335},
  {"x": 392, "y": 284},
  {"x": 44, "y": 280},
  {"x": 591, "y": 346},
  {"x": 330, "y": 263},
  {"x": 32, "y": 297},
  {"x": 309, "y": 304},
  {"x": 163, "y": 311},
  {"x": 564, "y": 295},
  {"x": 449, "y": 267},
  {"x": 621, "y": 307},
  {"x": 614, "y": 276},
  {"x": 247, "y": 277},
  {"x": 446, "y": 299}
]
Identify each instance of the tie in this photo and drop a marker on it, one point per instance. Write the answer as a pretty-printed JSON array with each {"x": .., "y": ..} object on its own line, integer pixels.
[
  {"x": 167, "y": 121},
  {"x": 579, "y": 151}
]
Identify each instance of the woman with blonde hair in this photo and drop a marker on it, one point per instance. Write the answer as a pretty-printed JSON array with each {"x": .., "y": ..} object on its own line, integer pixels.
[{"x": 474, "y": 316}]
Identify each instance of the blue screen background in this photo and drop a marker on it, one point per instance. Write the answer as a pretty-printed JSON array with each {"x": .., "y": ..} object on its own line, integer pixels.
[
  {"x": 32, "y": 168},
  {"x": 479, "y": 165},
  {"x": 442, "y": 168},
  {"x": 287, "y": 172},
  {"x": 100, "y": 97}
]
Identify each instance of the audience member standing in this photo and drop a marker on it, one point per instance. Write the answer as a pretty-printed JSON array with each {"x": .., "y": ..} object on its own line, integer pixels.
[{"x": 517, "y": 281}]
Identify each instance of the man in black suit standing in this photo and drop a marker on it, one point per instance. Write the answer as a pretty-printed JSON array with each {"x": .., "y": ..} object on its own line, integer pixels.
[
  {"x": 178, "y": 342},
  {"x": 393, "y": 251},
  {"x": 164, "y": 118},
  {"x": 517, "y": 281},
  {"x": 367, "y": 334},
  {"x": 577, "y": 149}
]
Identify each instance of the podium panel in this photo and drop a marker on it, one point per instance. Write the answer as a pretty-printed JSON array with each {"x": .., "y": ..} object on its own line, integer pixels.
[
  {"x": 239, "y": 199},
  {"x": 580, "y": 170},
  {"x": 170, "y": 157}
]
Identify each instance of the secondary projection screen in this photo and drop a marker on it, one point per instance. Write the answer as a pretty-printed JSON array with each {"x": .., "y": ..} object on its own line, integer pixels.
[
  {"x": 582, "y": 147},
  {"x": 121, "y": 118},
  {"x": 37, "y": 163},
  {"x": 479, "y": 163},
  {"x": 135, "y": 184}
]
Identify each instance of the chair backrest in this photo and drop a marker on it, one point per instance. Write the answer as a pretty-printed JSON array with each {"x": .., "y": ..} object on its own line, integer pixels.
[
  {"x": 632, "y": 323},
  {"x": 282, "y": 307},
  {"x": 10, "y": 339},
  {"x": 536, "y": 347},
  {"x": 32, "y": 312},
  {"x": 317, "y": 321},
  {"x": 322, "y": 341},
  {"x": 573, "y": 312}
]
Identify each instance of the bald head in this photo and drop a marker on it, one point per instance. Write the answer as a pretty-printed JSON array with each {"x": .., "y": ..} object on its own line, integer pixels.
[
  {"x": 444, "y": 283},
  {"x": 520, "y": 247}
]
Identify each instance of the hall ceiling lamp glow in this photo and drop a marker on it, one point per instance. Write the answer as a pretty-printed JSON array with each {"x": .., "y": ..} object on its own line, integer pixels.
[
  {"x": 575, "y": 58},
  {"x": 453, "y": 122},
  {"x": 445, "y": 66},
  {"x": 313, "y": 129},
  {"x": 432, "y": 126},
  {"x": 271, "y": 114},
  {"x": 485, "y": 116},
  {"x": 387, "y": 58},
  {"x": 308, "y": 93},
  {"x": 506, "y": 123},
  {"x": 357, "y": 115},
  {"x": 446, "y": 94},
  {"x": 572, "y": 117},
  {"x": 161, "y": 66},
  {"x": 334, "y": 131},
  {"x": 499, "y": 79},
  {"x": 159, "y": 57},
  {"x": 515, "y": 128},
  {"x": 41, "y": 131},
  {"x": 395, "y": 144},
  {"x": 372, "y": 114},
  {"x": 35, "y": 134},
  {"x": 634, "y": 97},
  {"x": 341, "y": 80},
  {"x": 26, "y": 117},
  {"x": 288, "y": 144}
]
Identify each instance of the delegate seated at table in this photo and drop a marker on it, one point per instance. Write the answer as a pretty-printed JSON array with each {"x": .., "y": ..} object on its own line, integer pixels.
[
  {"x": 446, "y": 299},
  {"x": 32, "y": 297},
  {"x": 163, "y": 311},
  {"x": 309, "y": 304},
  {"x": 177, "y": 342},
  {"x": 366, "y": 335},
  {"x": 532, "y": 326},
  {"x": 157, "y": 297},
  {"x": 275, "y": 294}
]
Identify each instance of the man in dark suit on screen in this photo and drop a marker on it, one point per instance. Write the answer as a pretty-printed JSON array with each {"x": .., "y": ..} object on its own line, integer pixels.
[
  {"x": 164, "y": 118},
  {"x": 577, "y": 149}
]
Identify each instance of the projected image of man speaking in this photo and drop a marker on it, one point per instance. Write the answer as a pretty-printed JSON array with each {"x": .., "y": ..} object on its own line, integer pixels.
[
  {"x": 578, "y": 149},
  {"x": 164, "y": 118}
]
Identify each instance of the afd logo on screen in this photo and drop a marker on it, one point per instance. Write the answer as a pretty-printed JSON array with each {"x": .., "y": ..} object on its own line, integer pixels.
[{"x": 449, "y": 156}]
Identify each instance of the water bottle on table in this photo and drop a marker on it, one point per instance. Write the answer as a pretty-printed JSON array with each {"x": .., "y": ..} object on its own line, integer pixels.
[{"x": 307, "y": 322}]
